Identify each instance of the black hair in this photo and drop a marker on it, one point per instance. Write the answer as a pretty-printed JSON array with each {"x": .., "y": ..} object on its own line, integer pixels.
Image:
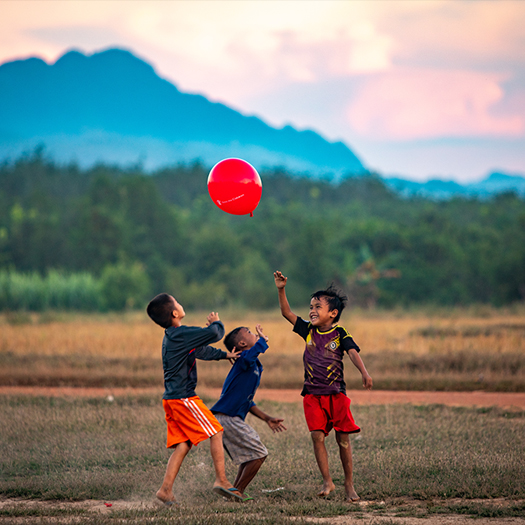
[
  {"x": 160, "y": 309},
  {"x": 232, "y": 338},
  {"x": 336, "y": 300}
]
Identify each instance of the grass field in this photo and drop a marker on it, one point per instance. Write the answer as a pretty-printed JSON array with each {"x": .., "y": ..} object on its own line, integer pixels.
[
  {"x": 60, "y": 454},
  {"x": 476, "y": 349},
  {"x": 93, "y": 449}
]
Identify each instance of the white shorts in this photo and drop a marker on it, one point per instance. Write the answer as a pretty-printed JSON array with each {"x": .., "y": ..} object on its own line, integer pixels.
[{"x": 241, "y": 441}]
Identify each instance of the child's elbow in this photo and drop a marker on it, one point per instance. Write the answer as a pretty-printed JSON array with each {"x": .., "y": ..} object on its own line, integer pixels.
[{"x": 352, "y": 354}]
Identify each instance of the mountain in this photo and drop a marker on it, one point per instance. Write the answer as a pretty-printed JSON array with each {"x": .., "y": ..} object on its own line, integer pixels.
[
  {"x": 112, "y": 107},
  {"x": 444, "y": 189}
]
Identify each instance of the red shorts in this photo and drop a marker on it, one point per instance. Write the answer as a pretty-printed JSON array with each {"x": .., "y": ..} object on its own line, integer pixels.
[
  {"x": 189, "y": 419},
  {"x": 327, "y": 412}
]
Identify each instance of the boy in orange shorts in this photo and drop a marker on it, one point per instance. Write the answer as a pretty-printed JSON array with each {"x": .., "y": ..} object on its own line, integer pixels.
[
  {"x": 326, "y": 405},
  {"x": 189, "y": 420}
]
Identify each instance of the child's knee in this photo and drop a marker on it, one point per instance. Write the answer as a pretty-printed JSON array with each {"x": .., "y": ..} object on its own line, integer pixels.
[
  {"x": 343, "y": 440},
  {"x": 317, "y": 436}
]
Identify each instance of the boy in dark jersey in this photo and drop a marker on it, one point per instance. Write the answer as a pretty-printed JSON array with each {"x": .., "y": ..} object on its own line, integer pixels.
[
  {"x": 326, "y": 405},
  {"x": 189, "y": 420},
  {"x": 241, "y": 441}
]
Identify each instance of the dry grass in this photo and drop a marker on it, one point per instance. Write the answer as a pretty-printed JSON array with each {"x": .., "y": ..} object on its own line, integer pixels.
[
  {"x": 94, "y": 449},
  {"x": 447, "y": 350},
  {"x": 133, "y": 335}
]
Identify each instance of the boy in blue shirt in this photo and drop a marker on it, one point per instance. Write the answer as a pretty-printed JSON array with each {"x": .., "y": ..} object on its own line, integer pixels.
[{"x": 241, "y": 441}]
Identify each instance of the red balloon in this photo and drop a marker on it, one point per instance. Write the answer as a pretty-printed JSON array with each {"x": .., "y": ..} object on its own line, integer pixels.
[{"x": 235, "y": 186}]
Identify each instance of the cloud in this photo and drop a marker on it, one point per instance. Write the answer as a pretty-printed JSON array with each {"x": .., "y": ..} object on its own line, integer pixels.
[
  {"x": 235, "y": 50},
  {"x": 409, "y": 104},
  {"x": 83, "y": 36},
  {"x": 476, "y": 35},
  {"x": 357, "y": 70}
]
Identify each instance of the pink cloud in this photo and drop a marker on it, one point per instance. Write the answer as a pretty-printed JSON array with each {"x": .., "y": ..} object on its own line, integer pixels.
[{"x": 415, "y": 104}]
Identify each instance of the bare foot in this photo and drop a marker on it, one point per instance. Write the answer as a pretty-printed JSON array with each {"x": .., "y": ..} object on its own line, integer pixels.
[
  {"x": 327, "y": 488},
  {"x": 166, "y": 497},
  {"x": 351, "y": 495}
]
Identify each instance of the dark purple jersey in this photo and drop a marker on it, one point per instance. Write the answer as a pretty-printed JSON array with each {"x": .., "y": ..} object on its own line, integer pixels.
[{"x": 323, "y": 358}]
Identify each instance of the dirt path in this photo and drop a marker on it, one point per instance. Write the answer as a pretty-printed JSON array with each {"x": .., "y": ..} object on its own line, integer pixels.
[
  {"x": 509, "y": 400},
  {"x": 414, "y": 512}
]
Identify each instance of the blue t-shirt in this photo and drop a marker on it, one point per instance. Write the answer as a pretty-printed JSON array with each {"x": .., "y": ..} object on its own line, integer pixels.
[{"x": 242, "y": 382}]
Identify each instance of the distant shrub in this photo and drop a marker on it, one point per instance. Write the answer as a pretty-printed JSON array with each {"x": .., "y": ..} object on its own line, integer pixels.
[
  {"x": 124, "y": 286},
  {"x": 56, "y": 290},
  {"x": 121, "y": 286}
]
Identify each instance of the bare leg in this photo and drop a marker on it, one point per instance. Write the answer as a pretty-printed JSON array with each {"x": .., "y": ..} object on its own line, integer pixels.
[
  {"x": 247, "y": 472},
  {"x": 345, "y": 451},
  {"x": 321, "y": 455},
  {"x": 217, "y": 455},
  {"x": 165, "y": 493}
]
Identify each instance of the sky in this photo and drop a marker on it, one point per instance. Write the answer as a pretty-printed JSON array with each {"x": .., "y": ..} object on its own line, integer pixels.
[{"x": 420, "y": 89}]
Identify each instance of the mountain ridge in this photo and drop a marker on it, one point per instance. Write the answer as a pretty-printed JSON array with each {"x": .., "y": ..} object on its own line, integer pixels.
[
  {"x": 495, "y": 182},
  {"x": 112, "y": 107},
  {"x": 83, "y": 101}
]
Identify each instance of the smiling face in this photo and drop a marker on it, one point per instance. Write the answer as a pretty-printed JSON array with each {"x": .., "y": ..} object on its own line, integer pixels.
[{"x": 320, "y": 314}]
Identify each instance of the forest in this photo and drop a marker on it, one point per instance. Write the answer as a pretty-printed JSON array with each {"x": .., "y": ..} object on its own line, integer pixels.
[{"x": 109, "y": 238}]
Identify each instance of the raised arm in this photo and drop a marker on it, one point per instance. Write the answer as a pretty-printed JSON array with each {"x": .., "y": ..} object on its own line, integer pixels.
[
  {"x": 210, "y": 353},
  {"x": 194, "y": 336},
  {"x": 286, "y": 311}
]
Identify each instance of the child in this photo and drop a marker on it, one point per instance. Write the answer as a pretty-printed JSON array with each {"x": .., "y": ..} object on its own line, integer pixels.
[
  {"x": 326, "y": 405},
  {"x": 189, "y": 420},
  {"x": 241, "y": 441}
]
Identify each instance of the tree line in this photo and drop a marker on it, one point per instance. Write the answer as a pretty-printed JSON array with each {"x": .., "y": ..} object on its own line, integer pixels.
[{"x": 131, "y": 235}]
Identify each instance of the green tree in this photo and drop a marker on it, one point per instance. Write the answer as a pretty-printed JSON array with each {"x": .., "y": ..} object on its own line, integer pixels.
[{"x": 125, "y": 286}]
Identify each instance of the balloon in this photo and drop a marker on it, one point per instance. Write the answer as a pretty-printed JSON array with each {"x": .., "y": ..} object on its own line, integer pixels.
[{"x": 235, "y": 186}]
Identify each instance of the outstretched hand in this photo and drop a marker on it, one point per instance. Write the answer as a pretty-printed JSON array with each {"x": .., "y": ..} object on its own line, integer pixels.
[
  {"x": 212, "y": 317},
  {"x": 258, "y": 329},
  {"x": 276, "y": 424},
  {"x": 233, "y": 355},
  {"x": 280, "y": 279}
]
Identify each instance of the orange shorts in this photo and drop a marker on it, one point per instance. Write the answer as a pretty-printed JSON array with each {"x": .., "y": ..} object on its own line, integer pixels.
[{"x": 189, "y": 419}]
